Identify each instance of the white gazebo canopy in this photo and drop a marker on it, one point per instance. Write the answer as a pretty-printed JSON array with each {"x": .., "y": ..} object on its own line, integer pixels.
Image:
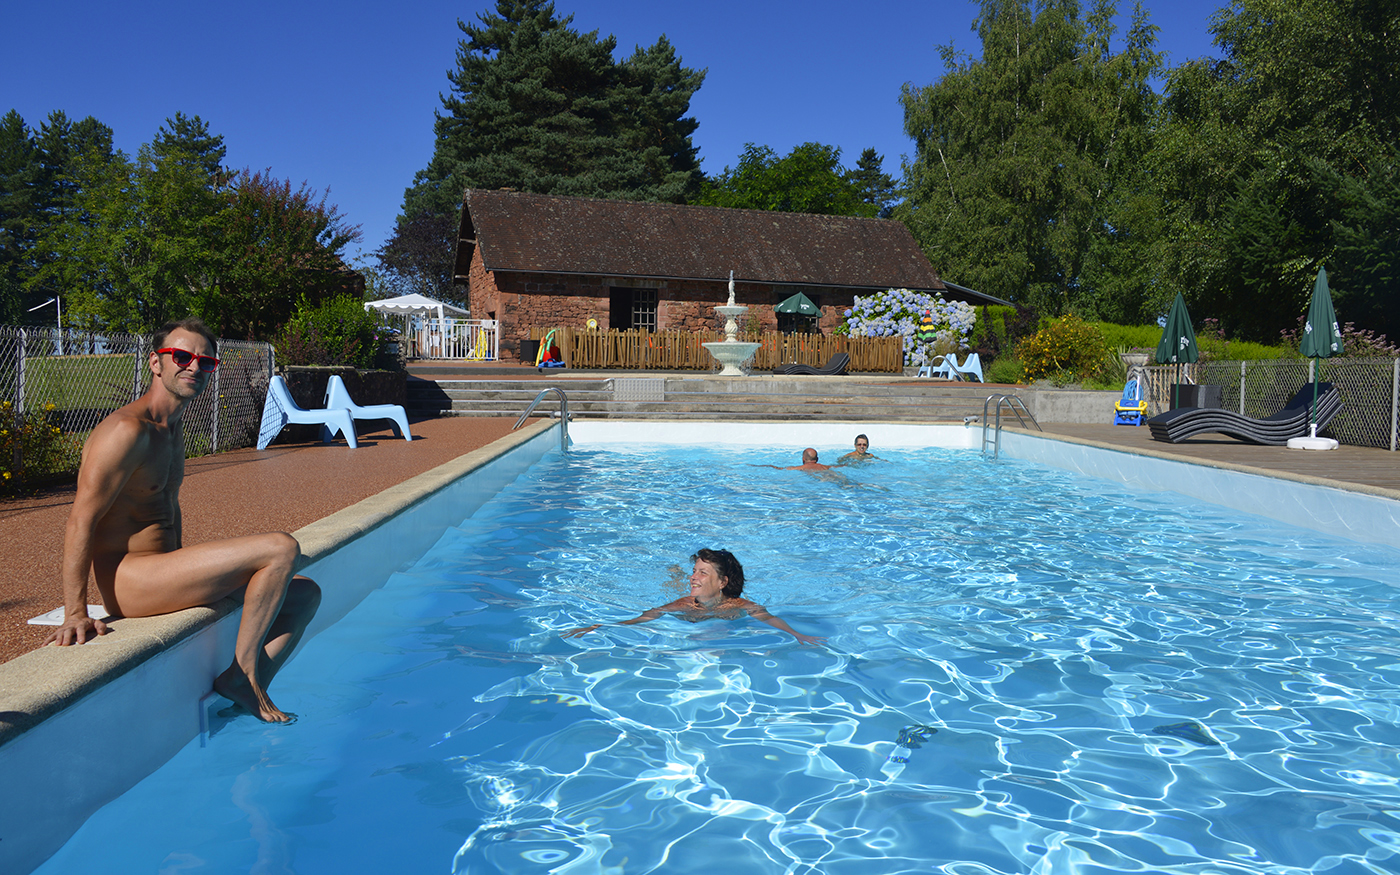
[{"x": 408, "y": 305}]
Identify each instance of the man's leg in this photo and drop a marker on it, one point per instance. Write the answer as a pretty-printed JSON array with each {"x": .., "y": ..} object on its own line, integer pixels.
[{"x": 258, "y": 565}]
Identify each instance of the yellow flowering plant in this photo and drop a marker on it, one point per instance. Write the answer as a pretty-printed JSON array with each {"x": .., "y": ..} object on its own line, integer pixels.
[{"x": 33, "y": 448}]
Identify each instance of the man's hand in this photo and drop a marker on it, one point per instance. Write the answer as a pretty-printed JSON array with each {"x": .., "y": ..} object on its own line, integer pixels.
[
  {"x": 77, "y": 630},
  {"x": 582, "y": 630}
]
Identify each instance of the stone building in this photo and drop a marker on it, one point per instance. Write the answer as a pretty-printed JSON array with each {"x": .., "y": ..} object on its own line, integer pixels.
[{"x": 543, "y": 261}]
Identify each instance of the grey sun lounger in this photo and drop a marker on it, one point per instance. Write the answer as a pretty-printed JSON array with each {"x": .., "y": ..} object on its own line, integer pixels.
[
  {"x": 837, "y": 364},
  {"x": 1292, "y": 421}
]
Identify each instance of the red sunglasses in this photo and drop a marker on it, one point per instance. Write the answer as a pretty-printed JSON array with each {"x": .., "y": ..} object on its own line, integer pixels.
[{"x": 182, "y": 358}]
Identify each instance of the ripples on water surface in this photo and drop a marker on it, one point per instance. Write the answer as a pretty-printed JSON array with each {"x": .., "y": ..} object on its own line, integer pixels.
[{"x": 1021, "y": 631}]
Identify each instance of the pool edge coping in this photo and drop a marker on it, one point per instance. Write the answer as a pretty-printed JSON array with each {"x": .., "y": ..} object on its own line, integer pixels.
[{"x": 44, "y": 682}]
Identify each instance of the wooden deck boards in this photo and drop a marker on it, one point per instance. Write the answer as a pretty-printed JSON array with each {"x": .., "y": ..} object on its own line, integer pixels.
[{"x": 1366, "y": 467}]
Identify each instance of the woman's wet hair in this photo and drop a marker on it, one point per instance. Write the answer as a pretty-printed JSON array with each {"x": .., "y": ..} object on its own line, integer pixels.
[{"x": 730, "y": 571}]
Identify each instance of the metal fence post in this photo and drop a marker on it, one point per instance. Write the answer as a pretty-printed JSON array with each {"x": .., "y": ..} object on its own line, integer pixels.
[
  {"x": 1394, "y": 400},
  {"x": 19, "y": 379},
  {"x": 1242, "y": 368},
  {"x": 214, "y": 425}
]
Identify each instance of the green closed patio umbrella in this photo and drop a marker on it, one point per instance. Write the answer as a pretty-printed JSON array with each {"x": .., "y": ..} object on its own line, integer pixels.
[
  {"x": 799, "y": 305},
  {"x": 1321, "y": 336},
  {"x": 1178, "y": 343}
]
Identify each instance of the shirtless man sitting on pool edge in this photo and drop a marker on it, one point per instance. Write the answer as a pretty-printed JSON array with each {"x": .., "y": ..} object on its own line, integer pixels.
[
  {"x": 125, "y": 527},
  {"x": 716, "y": 587}
]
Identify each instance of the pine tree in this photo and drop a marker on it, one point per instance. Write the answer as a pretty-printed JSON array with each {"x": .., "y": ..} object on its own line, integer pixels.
[
  {"x": 875, "y": 186},
  {"x": 19, "y": 168},
  {"x": 537, "y": 106}
]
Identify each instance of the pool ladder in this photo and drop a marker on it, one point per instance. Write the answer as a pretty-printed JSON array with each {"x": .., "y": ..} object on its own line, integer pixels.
[
  {"x": 1016, "y": 406},
  {"x": 563, "y": 415}
]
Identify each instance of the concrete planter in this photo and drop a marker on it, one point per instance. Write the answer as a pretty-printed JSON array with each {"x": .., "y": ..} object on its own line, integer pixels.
[{"x": 308, "y": 385}]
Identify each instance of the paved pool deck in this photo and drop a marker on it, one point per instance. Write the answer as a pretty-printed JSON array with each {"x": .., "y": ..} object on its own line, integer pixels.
[{"x": 290, "y": 486}]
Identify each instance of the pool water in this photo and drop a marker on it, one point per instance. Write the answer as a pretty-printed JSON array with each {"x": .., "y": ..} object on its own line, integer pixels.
[{"x": 1027, "y": 672}]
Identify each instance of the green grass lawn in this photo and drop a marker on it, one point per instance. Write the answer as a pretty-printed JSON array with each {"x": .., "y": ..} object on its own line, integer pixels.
[{"x": 78, "y": 382}]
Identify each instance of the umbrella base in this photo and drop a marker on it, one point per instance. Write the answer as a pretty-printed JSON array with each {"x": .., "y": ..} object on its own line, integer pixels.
[{"x": 1312, "y": 442}]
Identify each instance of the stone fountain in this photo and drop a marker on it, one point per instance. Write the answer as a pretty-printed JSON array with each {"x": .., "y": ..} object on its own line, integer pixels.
[{"x": 731, "y": 352}]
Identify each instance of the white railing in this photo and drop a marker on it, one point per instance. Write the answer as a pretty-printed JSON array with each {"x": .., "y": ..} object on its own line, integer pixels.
[{"x": 470, "y": 339}]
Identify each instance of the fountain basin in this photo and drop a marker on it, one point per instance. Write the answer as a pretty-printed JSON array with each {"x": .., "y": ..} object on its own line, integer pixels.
[{"x": 731, "y": 354}]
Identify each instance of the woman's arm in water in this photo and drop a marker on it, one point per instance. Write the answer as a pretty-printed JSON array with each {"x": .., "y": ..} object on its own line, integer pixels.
[
  {"x": 760, "y": 613},
  {"x": 645, "y": 617}
]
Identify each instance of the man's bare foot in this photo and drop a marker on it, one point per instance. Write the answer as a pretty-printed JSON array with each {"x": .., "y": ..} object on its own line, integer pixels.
[{"x": 233, "y": 685}]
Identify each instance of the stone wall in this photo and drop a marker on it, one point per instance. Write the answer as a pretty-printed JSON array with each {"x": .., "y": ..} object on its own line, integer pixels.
[{"x": 521, "y": 301}]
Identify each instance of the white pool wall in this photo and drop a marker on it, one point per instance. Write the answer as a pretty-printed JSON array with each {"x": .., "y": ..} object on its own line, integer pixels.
[{"x": 1369, "y": 516}]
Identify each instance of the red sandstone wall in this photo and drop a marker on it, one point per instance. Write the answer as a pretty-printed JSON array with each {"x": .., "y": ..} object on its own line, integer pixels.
[{"x": 522, "y": 301}]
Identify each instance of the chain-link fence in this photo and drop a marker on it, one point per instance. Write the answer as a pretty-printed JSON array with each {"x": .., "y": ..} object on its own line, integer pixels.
[
  {"x": 1370, "y": 389},
  {"x": 56, "y": 386}
]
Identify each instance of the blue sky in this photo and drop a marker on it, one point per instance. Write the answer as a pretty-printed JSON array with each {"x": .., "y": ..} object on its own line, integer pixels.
[{"x": 341, "y": 95}]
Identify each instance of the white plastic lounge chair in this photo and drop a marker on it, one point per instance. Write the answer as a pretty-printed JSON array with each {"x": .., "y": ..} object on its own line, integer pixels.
[
  {"x": 971, "y": 367},
  {"x": 949, "y": 369},
  {"x": 279, "y": 410},
  {"x": 338, "y": 397},
  {"x": 945, "y": 369}
]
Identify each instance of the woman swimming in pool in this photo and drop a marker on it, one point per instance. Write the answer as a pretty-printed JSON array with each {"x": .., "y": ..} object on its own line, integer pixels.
[{"x": 716, "y": 587}]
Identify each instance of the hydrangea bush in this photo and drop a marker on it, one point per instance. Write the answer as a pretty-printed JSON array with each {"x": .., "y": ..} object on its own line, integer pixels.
[{"x": 897, "y": 312}]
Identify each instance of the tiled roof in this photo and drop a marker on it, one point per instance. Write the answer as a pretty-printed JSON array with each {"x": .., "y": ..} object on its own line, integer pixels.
[{"x": 547, "y": 234}]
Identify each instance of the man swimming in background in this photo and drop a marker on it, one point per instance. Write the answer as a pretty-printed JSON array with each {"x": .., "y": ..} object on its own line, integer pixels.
[
  {"x": 809, "y": 463},
  {"x": 716, "y": 587},
  {"x": 124, "y": 527}
]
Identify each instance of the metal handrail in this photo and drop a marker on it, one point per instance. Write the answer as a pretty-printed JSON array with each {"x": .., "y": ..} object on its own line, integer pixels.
[
  {"x": 563, "y": 415},
  {"x": 1010, "y": 402}
]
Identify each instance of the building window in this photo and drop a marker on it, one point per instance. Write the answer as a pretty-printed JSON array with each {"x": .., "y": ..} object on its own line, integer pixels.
[{"x": 632, "y": 308}]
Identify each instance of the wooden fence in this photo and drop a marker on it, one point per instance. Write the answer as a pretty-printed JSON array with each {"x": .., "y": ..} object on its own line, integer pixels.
[{"x": 683, "y": 350}]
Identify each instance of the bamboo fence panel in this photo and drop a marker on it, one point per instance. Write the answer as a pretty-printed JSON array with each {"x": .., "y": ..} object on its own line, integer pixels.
[{"x": 684, "y": 350}]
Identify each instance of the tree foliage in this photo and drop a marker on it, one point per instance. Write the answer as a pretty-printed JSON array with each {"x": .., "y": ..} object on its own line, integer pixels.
[
  {"x": 1029, "y": 180},
  {"x": 129, "y": 244},
  {"x": 418, "y": 258},
  {"x": 809, "y": 179},
  {"x": 41, "y": 176},
  {"x": 539, "y": 107},
  {"x": 280, "y": 244},
  {"x": 1279, "y": 157}
]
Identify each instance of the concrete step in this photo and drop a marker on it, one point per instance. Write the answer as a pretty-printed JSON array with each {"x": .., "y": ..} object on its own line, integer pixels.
[{"x": 763, "y": 397}]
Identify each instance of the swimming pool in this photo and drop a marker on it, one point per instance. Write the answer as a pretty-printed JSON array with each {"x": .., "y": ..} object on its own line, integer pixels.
[{"x": 1046, "y": 626}]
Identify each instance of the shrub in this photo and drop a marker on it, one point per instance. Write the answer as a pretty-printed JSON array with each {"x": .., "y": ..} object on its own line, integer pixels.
[
  {"x": 33, "y": 448},
  {"x": 1005, "y": 369},
  {"x": 1210, "y": 339},
  {"x": 1065, "y": 350},
  {"x": 897, "y": 313},
  {"x": 1357, "y": 342},
  {"x": 338, "y": 331},
  {"x": 999, "y": 329}
]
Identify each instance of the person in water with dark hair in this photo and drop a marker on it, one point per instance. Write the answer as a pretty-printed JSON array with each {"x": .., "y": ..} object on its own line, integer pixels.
[{"x": 716, "y": 590}]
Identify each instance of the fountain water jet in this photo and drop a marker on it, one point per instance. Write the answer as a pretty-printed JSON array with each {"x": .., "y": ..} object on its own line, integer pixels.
[{"x": 731, "y": 352}]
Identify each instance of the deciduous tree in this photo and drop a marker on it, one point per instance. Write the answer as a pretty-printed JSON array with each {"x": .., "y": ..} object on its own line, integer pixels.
[
  {"x": 1027, "y": 181},
  {"x": 1269, "y": 151},
  {"x": 809, "y": 179}
]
